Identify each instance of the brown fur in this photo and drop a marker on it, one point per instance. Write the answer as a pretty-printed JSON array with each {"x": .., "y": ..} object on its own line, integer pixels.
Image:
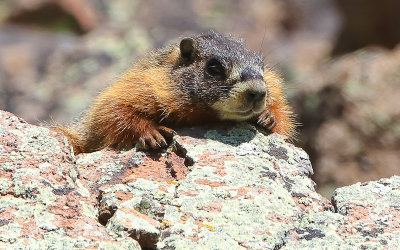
[{"x": 170, "y": 88}]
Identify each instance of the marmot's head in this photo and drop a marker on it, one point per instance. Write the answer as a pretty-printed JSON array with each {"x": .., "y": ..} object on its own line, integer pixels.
[{"x": 221, "y": 73}]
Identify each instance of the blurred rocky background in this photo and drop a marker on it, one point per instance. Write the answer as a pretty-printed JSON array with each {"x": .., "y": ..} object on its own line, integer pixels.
[{"x": 340, "y": 60}]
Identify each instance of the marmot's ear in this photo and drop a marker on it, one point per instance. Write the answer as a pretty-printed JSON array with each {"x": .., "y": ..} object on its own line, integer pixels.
[{"x": 187, "y": 48}]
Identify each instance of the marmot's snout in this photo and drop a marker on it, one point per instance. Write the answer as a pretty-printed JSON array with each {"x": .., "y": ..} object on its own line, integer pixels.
[
  {"x": 254, "y": 89},
  {"x": 255, "y": 96},
  {"x": 247, "y": 99}
]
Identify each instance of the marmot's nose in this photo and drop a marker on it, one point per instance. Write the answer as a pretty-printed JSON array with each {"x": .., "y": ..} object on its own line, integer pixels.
[{"x": 255, "y": 95}]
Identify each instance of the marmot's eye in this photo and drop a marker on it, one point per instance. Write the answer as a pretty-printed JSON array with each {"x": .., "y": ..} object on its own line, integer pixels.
[{"x": 215, "y": 68}]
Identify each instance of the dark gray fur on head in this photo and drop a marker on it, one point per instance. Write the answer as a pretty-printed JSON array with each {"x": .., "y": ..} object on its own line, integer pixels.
[
  {"x": 196, "y": 53},
  {"x": 227, "y": 48}
]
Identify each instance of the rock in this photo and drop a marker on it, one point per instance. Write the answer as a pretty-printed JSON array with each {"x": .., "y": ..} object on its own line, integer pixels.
[
  {"x": 214, "y": 188},
  {"x": 350, "y": 114},
  {"x": 77, "y": 15},
  {"x": 372, "y": 210},
  {"x": 367, "y": 216},
  {"x": 374, "y": 24},
  {"x": 42, "y": 203}
]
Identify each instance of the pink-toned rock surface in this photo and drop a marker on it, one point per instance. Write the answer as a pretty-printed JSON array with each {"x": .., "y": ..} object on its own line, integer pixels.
[
  {"x": 215, "y": 188},
  {"x": 78, "y": 47},
  {"x": 42, "y": 204}
]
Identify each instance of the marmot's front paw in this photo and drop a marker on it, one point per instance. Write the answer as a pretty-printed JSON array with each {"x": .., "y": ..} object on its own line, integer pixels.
[
  {"x": 266, "y": 120},
  {"x": 155, "y": 138}
]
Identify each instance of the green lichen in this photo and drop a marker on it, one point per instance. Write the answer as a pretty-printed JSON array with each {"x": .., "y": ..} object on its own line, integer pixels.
[
  {"x": 37, "y": 141},
  {"x": 122, "y": 222},
  {"x": 125, "y": 244},
  {"x": 81, "y": 189},
  {"x": 235, "y": 136},
  {"x": 5, "y": 184},
  {"x": 44, "y": 220},
  {"x": 10, "y": 233},
  {"x": 7, "y": 166},
  {"x": 3, "y": 130},
  {"x": 90, "y": 158},
  {"x": 88, "y": 210}
]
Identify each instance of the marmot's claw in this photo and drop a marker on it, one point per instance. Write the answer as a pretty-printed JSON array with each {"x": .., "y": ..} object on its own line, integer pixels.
[
  {"x": 266, "y": 120},
  {"x": 166, "y": 132},
  {"x": 155, "y": 139},
  {"x": 142, "y": 143},
  {"x": 272, "y": 125},
  {"x": 163, "y": 143}
]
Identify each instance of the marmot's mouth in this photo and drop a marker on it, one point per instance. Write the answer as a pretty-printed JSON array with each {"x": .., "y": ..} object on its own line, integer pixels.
[
  {"x": 247, "y": 114},
  {"x": 241, "y": 113},
  {"x": 238, "y": 115},
  {"x": 252, "y": 111}
]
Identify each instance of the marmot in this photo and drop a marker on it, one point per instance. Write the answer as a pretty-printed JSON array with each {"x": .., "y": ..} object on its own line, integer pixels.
[{"x": 202, "y": 80}]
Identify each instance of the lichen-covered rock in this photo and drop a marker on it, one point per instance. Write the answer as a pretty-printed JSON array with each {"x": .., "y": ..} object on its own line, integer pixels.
[
  {"x": 371, "y": 211},
  {"x": 221, "y": 187},
  {"x": 350, "y": 110},
  {"x": 367, "y": 216},
  {"x": 241, "y": 189},
  {"x": 42, "y": 204}
]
